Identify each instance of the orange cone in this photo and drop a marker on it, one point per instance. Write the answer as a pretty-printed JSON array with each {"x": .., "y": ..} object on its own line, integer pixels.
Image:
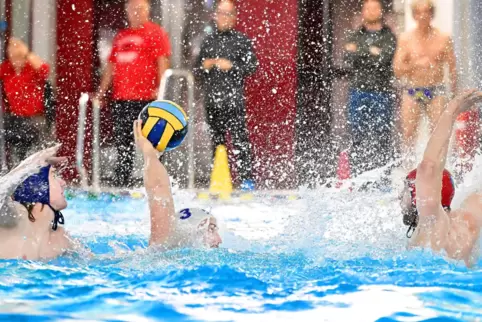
[{"x": 343, "y": 172}]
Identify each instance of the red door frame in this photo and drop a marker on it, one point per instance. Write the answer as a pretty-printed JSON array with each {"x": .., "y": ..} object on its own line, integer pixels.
[
  {"x": 74, "y": 73},
  {"x": 271, "y": 92}
]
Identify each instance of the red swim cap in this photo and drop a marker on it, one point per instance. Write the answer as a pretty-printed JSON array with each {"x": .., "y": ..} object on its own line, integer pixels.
[{"x": 448, "y": 187}]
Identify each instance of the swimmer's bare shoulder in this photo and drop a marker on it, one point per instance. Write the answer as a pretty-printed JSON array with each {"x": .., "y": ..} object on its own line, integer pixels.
[{"x": 9, "y": 213}]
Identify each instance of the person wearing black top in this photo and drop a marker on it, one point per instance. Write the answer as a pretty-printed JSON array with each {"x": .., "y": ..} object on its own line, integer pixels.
[
  {"x": 369, "y": 54},
  {"x": 225, "y": 60}
]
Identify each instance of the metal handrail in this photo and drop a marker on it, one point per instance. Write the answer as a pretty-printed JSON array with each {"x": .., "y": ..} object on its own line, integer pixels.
[
  {"x": 191, "y": 113},
  {"x": 96, "y": 146},
  {"x": 3, "y": 156},
  {"x": 84, "y": 99},
  {"x": 96, "y": 171}
]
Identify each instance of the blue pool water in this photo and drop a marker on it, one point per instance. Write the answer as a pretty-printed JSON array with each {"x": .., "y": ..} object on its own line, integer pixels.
[{"x": 324, "y": 257}]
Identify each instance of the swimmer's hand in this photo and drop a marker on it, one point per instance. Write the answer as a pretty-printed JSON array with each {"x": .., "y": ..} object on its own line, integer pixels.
[
  {"x": 375, "y": 51},
  {"x": 351, "y": 47},
  {"x": 465, "y": 101},
  {"x": 142, "y": 143}
]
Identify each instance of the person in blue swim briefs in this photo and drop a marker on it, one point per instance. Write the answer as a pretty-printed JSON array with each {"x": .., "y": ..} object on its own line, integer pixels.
[
  {"x": 427, "y": 196},
  {"x": 420, "y": 59}
]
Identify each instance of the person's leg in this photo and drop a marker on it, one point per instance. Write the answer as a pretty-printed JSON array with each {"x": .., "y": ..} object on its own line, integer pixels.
[
  {"x": 410, "y": 118},
  {"x": 215, "y": 121},
  {"x": 382, "y": 143},
  {"x": 22, "y": 136},
  {"x": 241, "y": 143},
  {"x": 124, "y": 113},
  {"x": 435, "y": 108},
  {"x": 358, "y": 106},
  {"x": 135, "y": 108}
]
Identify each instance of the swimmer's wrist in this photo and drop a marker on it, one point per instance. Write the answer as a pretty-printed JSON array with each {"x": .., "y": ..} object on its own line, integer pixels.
[
  {"x": 149, "y": 153},
  {"x": 451, "y": 110}
]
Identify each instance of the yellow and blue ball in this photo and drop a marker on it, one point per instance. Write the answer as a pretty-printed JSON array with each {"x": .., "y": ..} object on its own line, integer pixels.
[{"x": 164, "y": 124}]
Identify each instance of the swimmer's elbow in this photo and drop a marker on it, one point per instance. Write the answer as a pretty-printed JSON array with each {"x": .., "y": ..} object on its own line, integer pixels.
[{"x": 426, "y": 168}]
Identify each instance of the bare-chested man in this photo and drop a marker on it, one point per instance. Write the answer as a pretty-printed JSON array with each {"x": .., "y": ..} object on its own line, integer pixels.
[
  {"x": 420, "y": 59},
  {"x": 427, "y": 197}
]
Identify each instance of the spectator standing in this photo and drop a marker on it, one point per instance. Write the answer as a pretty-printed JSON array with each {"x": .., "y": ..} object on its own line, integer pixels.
[
  {"x": 24, "y": 76},
  {"x": 225, "y": 60},
  {"x": 421, "y": 57},
  {"x": 140, "y": 55},
  {"x": 369, "y": 54}
]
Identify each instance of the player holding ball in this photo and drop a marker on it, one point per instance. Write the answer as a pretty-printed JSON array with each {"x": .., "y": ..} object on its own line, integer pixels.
[{"x": 162, "y": 126}]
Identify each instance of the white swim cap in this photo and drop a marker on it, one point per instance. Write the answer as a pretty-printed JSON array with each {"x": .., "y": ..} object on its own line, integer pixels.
[{"x": 191, "y": 224}]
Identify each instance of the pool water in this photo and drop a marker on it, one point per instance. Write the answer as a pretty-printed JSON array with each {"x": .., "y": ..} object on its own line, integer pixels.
[{"x": 328, "y": 256}]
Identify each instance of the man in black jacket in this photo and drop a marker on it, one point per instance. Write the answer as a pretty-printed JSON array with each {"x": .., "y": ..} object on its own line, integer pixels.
[
  {"x": 225, "y": 60},
  {"x": 369, "y": 55}
]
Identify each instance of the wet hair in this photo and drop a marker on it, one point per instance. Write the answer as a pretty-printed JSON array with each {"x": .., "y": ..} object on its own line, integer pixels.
[
  {"x": 416, "y": 3},
  {"x": 29, "y": 206}
]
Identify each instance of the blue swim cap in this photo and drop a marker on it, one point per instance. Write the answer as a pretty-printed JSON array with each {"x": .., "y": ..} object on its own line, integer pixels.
[{"x": 36, "y": 189}]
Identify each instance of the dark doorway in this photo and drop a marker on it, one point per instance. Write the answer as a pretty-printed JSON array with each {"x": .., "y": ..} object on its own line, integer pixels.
[{"x": 315, "y": 78}]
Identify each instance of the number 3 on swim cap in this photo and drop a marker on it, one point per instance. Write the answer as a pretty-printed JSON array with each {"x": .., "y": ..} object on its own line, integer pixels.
[{"x": 186, "y": 213}]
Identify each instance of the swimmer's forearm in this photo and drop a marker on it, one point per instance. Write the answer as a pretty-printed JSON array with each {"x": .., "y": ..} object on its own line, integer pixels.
[
  {"x": 161, "y": 204},
  {"x": 437, "y": 147},
  {"x": 11, "y": 180},
  {"x": 155, "y": 173},
  {"x": 454, "y": 82}
]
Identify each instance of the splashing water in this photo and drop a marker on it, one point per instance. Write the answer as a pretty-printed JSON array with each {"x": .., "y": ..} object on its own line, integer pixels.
[{"x": 335, "y": 255}]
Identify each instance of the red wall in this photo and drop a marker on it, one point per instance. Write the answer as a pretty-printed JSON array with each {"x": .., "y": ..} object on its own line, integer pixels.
[
  {"x": 74, "y": 70},
  {"x": 271, "y": 91}
]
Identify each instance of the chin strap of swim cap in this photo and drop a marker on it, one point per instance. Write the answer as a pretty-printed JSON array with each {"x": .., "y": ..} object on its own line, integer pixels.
[
  {"x": 411, "y": 230},
  {"x": 58, "y": 218}
]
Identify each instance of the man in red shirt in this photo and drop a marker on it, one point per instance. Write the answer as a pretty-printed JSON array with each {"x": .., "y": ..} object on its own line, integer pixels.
[
  {"x": 140, "y": 55},
  {"x": 23, "y": 75}
]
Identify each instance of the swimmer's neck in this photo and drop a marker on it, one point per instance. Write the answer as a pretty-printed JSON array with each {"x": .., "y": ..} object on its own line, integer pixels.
[{"x": 43, "y": 218}]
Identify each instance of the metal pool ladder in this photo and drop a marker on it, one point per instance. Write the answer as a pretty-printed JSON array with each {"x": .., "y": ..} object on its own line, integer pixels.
[{"x": 96, "y": 171}]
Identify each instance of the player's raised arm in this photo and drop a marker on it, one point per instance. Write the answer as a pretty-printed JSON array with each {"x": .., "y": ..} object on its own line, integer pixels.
[
  {"x": 430, "y": 170},
  {"x": 158, "y": 189}
]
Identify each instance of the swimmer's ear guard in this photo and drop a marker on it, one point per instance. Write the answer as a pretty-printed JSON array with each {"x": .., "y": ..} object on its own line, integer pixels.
[
  {"x": 410, "y": 219},
  {"x": 410, "y": 213}
]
